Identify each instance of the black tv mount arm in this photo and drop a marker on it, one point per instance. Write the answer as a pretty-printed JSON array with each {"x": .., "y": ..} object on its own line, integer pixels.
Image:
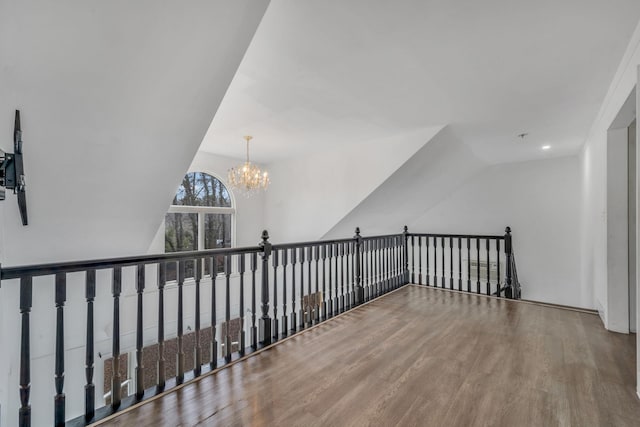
[{"x": 12, "y": 171}]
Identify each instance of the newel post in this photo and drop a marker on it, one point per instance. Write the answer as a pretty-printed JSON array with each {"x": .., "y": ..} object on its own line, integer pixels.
[
  {"x": 358, "y": 268},
  {"x": 508, "y": 251},
  {"x": 405, "y": 233},
  {"x": 265, "y": 321}
]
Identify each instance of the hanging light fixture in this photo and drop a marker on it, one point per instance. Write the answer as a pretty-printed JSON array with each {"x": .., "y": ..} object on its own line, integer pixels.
[{"x": 247, "y": 178}]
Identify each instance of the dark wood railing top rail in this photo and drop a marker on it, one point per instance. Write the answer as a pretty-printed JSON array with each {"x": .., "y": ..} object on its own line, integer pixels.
[
  {"x": 17, "y": 272},
  {"x": 7, "y": 273},
  {"x": 295, "y": 290},
  {"x": 455, "y": 236}
]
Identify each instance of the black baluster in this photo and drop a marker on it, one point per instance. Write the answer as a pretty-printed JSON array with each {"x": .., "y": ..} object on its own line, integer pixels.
[
  {"x": 324, "y": 282},
  {"x": 89, "y": 388},
  {"x": 59, "y": 399},
  {"x": 388, "y": 264},
  {"x": 373, "y": 292},
  {"x": 498, "y": 266},
  {"x": 459, "y": 263},
  {"x": 352, "y": 277},
  {"x": 316, "y": 306},
  {"x": 398, "y": 260},
  {"x": 254, "y": 328},
  {"x": 413, "y": 259},
  {"x": 341, "y": 301},
  {"x": 116, "y": 289},
  {"x": 308, "y": 306},
  {"x": 420, "y": 260},
  {"x": 227, "y": 308},
  {"x": 468, "y": 264},
  {"x": 435, "y": 261},
  {"x": 276, "y": 326},
  {"x": 488, "y": 268},
  {"x": 26, "y": 298},
  {"x": 347, "y": 250},
  {"x": 162, "y": 280},
  {"x": 370, "y": 283},
  {"x": 364, "y": 256},
  {"x": 198, "y": 344},
  {"x": 442, "y": 283},
  {"x": 213, "y": 363},
  {"x": 243, "y": 334},
  {"x": 330, "y": 255},
  {"x": 478, "y": 265},
  {"x": 293, "y": 290},
  {"x": 383, "y": 263},
  {"x": 427, "y": 260},
  {"x": 450, "y": 262},
  {"x": 359, "y": 294},
  {"x": 266, "y": 321},
  {"x": 380, "y": 268},
  {"x": 302, "y": 306},
  {"x": 180, "y": 354},
  {"x": 392, "y": 263},
  {"x": 139, "y": 331},
  {"x": 285, "y": 319}
]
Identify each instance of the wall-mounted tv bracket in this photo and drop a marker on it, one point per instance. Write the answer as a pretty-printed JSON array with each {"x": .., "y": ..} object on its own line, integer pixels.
[{"x": 12, "y": 171}]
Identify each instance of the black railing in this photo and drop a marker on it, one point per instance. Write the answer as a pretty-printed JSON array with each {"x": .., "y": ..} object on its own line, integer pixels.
[
  {"x": 467, "y": 263},
  {"x": 294, "y": 286}
]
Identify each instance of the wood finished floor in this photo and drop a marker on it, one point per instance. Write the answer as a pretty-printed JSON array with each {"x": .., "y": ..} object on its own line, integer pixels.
[{"x": 422, "y": 357}]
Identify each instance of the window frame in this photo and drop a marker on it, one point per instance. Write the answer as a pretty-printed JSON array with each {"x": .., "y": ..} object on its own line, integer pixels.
[{"x": 201, "y": 211}]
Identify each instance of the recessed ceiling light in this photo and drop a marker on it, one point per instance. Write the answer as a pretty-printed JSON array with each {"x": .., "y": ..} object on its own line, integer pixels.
[{"x": 546, "y": 147}]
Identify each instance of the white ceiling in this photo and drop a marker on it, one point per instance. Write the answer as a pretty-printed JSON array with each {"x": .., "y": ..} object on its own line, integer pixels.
[{"x": 322, "y": 74}]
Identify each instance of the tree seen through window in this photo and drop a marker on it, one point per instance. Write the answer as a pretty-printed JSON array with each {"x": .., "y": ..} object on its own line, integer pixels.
[{"x": 199, "y": 218}]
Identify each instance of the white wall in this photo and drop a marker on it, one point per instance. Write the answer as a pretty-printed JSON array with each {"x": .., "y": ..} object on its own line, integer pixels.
[
  {"x": 310, "y": 194},
  {"x": 539, "y": 200},
  {"x": 593, "y": 229},
  {"x": 616, "y": 315}
]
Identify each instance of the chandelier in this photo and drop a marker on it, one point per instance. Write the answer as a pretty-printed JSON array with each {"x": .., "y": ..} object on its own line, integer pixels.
[{"x": 247, "y": 178}]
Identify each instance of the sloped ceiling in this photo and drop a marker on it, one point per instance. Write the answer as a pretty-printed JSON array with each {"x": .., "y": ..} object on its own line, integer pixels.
[
  {"x": 116, "y": 97},
  {"x": 440, "y": 167},
  {"x": 322, "y": 75}
]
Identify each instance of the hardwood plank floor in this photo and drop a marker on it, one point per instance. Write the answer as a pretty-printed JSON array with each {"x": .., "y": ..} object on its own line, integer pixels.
[{"x": 422, "y": 357}]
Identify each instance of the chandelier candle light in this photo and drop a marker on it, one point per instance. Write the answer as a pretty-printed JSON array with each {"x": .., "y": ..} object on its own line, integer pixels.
[{"x": 247, "y": 178}]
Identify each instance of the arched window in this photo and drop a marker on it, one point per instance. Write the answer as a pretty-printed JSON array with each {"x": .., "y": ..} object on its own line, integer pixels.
[{"x": 200, "y": 217}]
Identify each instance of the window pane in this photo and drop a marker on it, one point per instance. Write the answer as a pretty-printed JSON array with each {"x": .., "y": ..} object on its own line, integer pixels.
[
  {"x": 217, "y": 231},
  {"x": 217, "y": 234},
  {"x": 181, "y": 234},
  {"x": 201, "y": 189}
]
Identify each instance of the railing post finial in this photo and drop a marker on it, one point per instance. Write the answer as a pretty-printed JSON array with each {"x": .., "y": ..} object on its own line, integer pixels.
[{"x": 507, "y": 230}]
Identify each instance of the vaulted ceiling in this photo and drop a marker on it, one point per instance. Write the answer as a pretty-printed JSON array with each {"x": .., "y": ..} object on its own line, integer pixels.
[{"x": 319, "y": 75}]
